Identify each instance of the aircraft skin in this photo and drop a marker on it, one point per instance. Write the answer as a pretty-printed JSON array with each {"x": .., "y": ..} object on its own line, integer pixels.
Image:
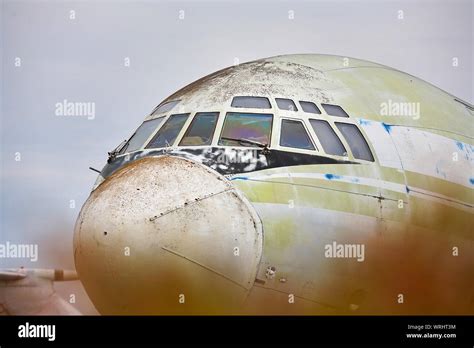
[
  {"x": 31, "y": 292},
  {"x": 200, "y": 230}
]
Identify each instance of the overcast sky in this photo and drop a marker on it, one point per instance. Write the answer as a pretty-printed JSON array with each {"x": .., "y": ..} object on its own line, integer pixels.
[{"x": 50, "y": 54}]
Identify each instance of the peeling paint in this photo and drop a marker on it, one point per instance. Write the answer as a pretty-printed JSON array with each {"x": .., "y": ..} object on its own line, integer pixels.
[
  {"x": 460, "y": 145},
  {"x": 239, "y": 178},
  {"x": 388, "y": 128},
  {"x": 364, "y": 122},
  {"x": 300, "y": 205},
  {"x": 332, "y": 176}
]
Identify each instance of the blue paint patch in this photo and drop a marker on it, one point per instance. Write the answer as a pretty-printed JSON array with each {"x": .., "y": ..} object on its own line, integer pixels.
[
  {"x": 363, "y": 122},
  {"x": 239, "y": 178},
  {"x": 471, "y": 180},
  {"x": 460, "y": 145},
  {"x": 387, "y": 127},
  {"x": 332, "y": 176},
  {"x": 355, "y": 180}
]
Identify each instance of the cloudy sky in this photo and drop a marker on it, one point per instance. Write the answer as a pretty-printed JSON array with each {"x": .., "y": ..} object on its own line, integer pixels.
[{"x": 78, "y": 51}]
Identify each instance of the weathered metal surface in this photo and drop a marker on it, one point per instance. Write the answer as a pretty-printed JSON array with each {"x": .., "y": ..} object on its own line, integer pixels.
[
  {"x": 410, "y": 208},
  {"x": 226, "y": 161},
  {"x": 31, "y": 292},
  {"x": 187, "y": 231},
  {"x": 265, "y": 77}
]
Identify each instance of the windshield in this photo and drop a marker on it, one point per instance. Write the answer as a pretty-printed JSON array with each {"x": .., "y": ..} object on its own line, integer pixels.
[
  {"x": 138, "y": 139},
  {"x": 201, "y": 130},
  {"x": 248, "y": 126},
  {"x": 168, "y": 133}
]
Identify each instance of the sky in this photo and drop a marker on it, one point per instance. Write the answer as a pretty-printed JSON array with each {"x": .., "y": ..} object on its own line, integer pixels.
[{"x": 124, "y": 57}]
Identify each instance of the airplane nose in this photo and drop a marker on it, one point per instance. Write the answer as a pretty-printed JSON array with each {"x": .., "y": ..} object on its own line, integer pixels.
[{"x": 167, "y": 235}]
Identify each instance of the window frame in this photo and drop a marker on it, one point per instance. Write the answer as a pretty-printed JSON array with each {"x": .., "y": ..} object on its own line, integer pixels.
[
  {"x": 336, "y": 133},
  {"x": 311, "y": 138},
  {"x": 222, "y": 124},
  {"x": 147, "y": 139},
  {"x": 188, "y": 127},
  {"x": 310, "y": 102},
  {"x": 340, "y": 117},
  {"x": 178, "y": 136},
  {"x": 347, "y": 145},
  {"x": 250, "y": 107},
  {"x": 176, "y": 102},
  {"x": 283, "y": 98},
  {"x": 277, "y": 117}
]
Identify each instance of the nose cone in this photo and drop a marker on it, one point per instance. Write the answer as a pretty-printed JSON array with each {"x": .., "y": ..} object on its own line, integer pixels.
[{"x": 167, "y": 235}]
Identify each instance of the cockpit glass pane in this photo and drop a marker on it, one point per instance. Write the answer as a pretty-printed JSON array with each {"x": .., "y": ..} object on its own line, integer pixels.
[
  {"x": 165, "y": 107},
  {"x": 334, "y": 110},
  {"x": 137, "y": 140},
  {"x": 239, "y": 127},
  {"x": 328, "y": 138},
  {"x": 201, "y": 130},
  {"x": 168, "y": 132},
  {"x": 286, "y": 104},
  {"x": 293, "y": 134},
  {"x": 359, "y": 147},
  {"x": 309, "y": 107},
  {"x": 251, "y": 102}
]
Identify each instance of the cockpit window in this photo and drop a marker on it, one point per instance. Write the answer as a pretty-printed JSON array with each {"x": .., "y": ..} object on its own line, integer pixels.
[
  {"x": 328, "y": 138},
  {"x": 293, "y": 134},
  {"x": 201, "y": 129},
  {"x": 137, "y": 140},
  {"x": 286, "y": 104},
  {"x": 309, "y": 107},
  {"x": 165, "y": 107},
  {"x": 241, "y": 129},
  {"x": 251, "y": 102},
  {"x": 168, "y": 132},
  {"x": 334, "y": 110},
  {"x": 359, "y": 147}
]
